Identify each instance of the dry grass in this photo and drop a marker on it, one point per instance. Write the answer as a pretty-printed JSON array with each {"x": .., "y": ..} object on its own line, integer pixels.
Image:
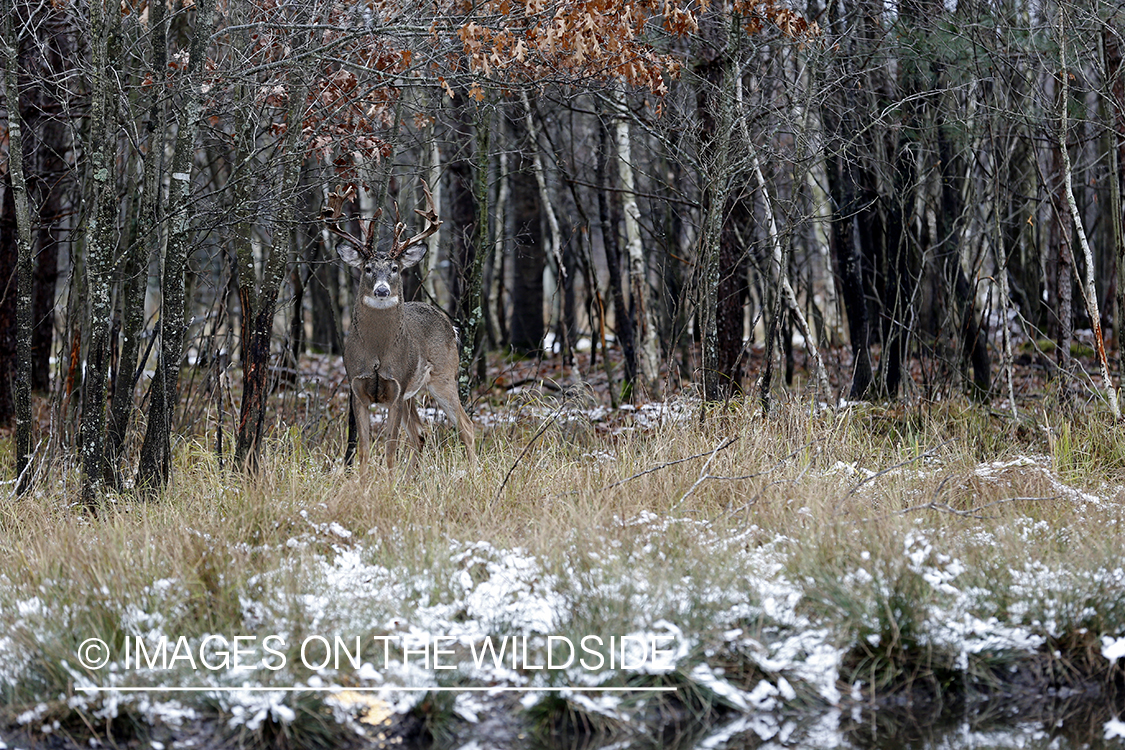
[{"x": 866, "y": 513}]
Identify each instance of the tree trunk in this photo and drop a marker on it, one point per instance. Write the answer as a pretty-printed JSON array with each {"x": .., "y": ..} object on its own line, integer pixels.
[
  {"x": 52, "y": 186},
  {"x": 15, "y": 232},
  {"x": 256, "y": 349},
  {"x": 155, "y": 469},
  {"x": 732, "y": 295},
  {"x": 844, "y": 172},
  {"x": 846, "y": 242},
  {"x": 23, "y": 216},
  {"x": 622, "y": 318},
  {"x": 298, "y": 283},
  {"x": 715, "y": 101},
  {"x": 462, "y": 213},
  {"x": 638, "y": 266},
  {"x": 323, "y": 283},
  {"x": 528, "y": 259},
  {"x": 101, "y": 241},
  {"x": 568, "y": 304},
  {"x": 1115, "y": 80},
  {"x": 144, "y": 245},
  {"x": 974, "y": 339},
  {"x": 1090, "y": 292},
  {"x": 9, "y": 260},
  {"x": 1060, "y": 240},
  {"x": 470, "y": 318},
  {"x": 324, "y": 289}
]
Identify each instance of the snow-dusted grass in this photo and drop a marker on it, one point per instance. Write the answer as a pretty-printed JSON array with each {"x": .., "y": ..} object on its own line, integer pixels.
[{"x": 791, "y": 564}]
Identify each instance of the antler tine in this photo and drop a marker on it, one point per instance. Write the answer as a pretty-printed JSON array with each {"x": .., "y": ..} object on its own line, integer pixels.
[
  {"x": 397, "y": 245},
  {"x": 338, "y": 197},
  {"x": 429, "y": 215},
  {"x": 396, "y": 236},
  {"x": 333, "y": 212},
  {"x": 347, "y": 236}
]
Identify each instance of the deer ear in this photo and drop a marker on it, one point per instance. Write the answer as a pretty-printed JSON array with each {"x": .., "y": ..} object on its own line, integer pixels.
[
  {"x": 349, "y": 253},
  {"x": 413, "y": 254}
]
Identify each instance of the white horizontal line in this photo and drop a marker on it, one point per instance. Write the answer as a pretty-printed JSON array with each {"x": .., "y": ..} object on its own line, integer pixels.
[{"x": 338, "y": 689}]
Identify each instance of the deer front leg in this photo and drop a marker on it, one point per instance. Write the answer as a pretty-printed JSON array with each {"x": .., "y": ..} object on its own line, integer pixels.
[
  {"x": 413, "y": 426},
  {"x": 393, "y": 397},
  {"x": 361, "y": 409}
]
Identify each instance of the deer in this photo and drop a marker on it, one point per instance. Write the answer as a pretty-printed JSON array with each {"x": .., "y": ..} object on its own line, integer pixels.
[{"x": 396, "y": 349}]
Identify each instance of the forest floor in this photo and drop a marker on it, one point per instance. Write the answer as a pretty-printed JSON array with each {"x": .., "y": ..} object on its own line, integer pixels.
[{"x": 795, "y": 577}]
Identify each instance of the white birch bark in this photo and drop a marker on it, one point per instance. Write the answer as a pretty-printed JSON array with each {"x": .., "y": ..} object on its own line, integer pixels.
[
  {"x": 816, "y": 180},
  {"x": 1001, "y": 259},
  {"x": 496, "y": 284},
  {"x": 433, "y": 242},
  {"x": 544, "y": 195},
  {"x": 787, "y": 292},
  {"x": 638, "y": 270},
  {"x": 1089, "y": 290}
]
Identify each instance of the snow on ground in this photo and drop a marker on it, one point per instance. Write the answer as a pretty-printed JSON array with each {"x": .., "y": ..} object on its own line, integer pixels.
[
  {"x": 625, "y": 418},
  {"x": 484, "y": 595},
  {"x": 495, "y": 614}
]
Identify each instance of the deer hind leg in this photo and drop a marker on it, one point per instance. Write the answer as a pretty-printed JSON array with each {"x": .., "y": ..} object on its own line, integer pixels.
[
  {"x": 445, "y": 393},
  {"x": 361, "y": 410}
]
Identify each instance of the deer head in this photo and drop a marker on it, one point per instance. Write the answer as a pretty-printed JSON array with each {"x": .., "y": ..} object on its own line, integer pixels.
[{"x": 382, "y": 267}]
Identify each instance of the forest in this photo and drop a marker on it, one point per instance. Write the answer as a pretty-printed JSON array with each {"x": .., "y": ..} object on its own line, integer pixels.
[
  {"x": 788, "y": 334},
  {"x": 858, "y": 201}
]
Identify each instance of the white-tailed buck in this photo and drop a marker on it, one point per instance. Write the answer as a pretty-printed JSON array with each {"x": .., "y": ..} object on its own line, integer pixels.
[{"x": 395, "y": 349}]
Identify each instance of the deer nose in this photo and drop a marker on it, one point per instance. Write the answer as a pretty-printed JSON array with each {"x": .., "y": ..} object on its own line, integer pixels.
[{"x": 382, "y": 291}]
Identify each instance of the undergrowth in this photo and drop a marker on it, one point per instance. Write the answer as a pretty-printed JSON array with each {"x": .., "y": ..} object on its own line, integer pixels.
[{"x": 795, "y": 560}]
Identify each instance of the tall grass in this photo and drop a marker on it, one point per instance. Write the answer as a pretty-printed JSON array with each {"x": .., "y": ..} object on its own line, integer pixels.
[{"x": 806, "y": 558}]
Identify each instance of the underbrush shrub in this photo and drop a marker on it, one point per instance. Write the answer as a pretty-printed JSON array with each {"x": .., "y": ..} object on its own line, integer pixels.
[
  {"x": 556, "y": 720},
  {"x": 302, "y": 722},
  {"x": 433, "y": 716}
]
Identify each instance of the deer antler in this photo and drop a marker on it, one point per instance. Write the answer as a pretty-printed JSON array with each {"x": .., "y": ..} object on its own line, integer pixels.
[
  {"x": 338, "y": 197},
  {"x": 334, "y": 210},
  {"x": 432, "y": 223}
]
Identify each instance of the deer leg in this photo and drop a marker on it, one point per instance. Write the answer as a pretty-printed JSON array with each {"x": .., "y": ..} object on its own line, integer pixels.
[
  {"x": 349, "y": 452},
  {"x": 361, "y": 410},
  {"x": 450, "y": 402},
  {"x": 394, "y": 420},
  {"x": 413, "y": 426}
]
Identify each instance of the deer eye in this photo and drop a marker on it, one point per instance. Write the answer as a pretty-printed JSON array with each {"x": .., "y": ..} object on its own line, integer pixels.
[{"x": 394, "y": 268}]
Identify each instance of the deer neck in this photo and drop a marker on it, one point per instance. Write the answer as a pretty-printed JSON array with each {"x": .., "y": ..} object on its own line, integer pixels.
[{"x": 381, "y": 327}]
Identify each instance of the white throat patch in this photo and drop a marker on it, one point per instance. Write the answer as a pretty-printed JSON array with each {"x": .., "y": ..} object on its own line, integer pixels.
[{"x": 380, "y": 303}]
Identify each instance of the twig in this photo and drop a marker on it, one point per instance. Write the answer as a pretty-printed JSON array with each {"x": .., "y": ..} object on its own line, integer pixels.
[
  {"x": 703, "y": 475},
  {"x": 757, "y": 496},
  {"x": 889, "y": 469},
  {"x": 665, "y": 465},
  {"x": 947, "y": 508},
  {"x": 1005, "y": 500},
  {"x": 941, "y": 507},
  {"x": 771, "y": 469},
  {"x": 940, "y": 487},
  {"x": 550, "y": 421},
  {"x": 543, "y": 382},
  {"x": 31, "y": 465}
]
